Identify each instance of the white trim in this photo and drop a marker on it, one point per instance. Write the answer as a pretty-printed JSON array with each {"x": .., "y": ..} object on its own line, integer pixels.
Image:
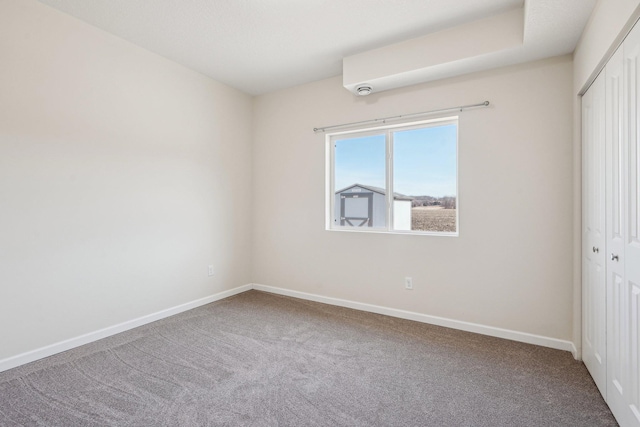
[
  {"x": 574, "y": 351},
  {"x": 399, "y": 232},
  {"x": 425, "y": 318},
  {"x": 50, "y": 350}
]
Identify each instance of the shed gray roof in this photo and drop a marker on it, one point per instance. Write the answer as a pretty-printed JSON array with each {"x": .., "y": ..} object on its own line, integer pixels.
[{"x": 396, "y": 196}]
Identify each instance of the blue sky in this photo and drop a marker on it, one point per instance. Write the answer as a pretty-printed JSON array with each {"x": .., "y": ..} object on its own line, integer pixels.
[{"x": 424, "y": 161}]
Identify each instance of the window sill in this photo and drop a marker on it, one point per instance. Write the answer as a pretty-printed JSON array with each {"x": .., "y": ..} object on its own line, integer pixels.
[{"x": 406, "y": 233}]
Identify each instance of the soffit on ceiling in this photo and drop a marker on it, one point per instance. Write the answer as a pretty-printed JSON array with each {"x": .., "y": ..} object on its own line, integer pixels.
[{"x": 260, "y": 46}]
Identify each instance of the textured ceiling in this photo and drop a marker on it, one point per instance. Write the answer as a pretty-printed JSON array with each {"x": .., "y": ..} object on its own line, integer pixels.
[{"x": 259, "y": 46}]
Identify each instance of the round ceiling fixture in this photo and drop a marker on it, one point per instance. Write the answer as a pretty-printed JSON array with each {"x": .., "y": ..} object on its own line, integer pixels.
[{"x": 364, "y": 90}]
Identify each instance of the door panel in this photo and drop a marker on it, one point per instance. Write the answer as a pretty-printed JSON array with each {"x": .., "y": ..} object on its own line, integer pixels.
[
  {"x": 623, "y": 262},
  {"x": 634, "y": 361},
  {"x": 594, "y": 351},
  {"x": 632, "y": 246},
  {"x": 617, "y": 328}
]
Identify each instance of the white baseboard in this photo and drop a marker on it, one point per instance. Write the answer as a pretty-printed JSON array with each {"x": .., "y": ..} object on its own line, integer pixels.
[
  {"x": 50, "y": 350},
  {"x": 433, "y": 320},
  {"x": 574, "y": 351}
]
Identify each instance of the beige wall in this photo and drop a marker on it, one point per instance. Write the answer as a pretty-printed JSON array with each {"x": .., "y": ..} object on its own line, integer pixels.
[
  {"x": 511, "y": 267},
  {"x": 600, "y": 35},
  {"x": 122, "y": 176}
]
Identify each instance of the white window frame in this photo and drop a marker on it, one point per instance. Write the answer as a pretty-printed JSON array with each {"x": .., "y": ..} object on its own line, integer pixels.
[{"x": 387, "y": 130}]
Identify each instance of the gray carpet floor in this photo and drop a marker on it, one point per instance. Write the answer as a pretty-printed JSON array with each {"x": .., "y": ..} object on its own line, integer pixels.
[{"x": 258, "y": 359}]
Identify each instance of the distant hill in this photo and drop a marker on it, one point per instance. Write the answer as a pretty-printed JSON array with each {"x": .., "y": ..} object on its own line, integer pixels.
[{"x": 448, "y": 202}]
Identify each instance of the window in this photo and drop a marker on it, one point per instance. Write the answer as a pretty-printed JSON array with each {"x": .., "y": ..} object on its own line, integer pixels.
[{"x": 400, "y": 179}]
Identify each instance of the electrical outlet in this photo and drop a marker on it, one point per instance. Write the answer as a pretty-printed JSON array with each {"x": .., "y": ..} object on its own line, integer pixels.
[
  {"x": 211, "y": 270},
  {"x": 408, "y": 283}
]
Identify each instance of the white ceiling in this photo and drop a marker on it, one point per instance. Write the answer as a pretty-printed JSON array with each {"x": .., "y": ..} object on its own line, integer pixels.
[{"x": 259, "y": 46}]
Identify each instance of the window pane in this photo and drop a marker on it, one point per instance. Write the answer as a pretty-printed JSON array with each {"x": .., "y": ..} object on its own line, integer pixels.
[
  {"x": 359, "y": 180},
  {"x": 424, "y": 179}
]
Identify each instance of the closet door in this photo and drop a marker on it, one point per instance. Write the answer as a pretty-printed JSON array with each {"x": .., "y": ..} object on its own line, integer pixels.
[
  {"x": 594, "y": 348},
  {"x": 627, "y": 258},
  {"x": 632, "y": 267},
  {"x": 616, "y": 183}
]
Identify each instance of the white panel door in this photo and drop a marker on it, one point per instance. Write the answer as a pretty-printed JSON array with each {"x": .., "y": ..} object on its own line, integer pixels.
[
  {"x": 616, "y": 183},
  {"x": 594, "y": 348},
  {"x": 623, "y": 162},
  {"x": 632, "y": 273},
  {"x": 630, "y": 257}
]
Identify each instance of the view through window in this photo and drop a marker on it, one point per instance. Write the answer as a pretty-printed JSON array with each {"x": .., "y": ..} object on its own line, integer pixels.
[{"x": 398, "y": 179}]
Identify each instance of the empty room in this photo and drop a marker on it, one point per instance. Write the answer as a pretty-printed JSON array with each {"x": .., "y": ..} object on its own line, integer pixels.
[{"x": 319, "y": 213}]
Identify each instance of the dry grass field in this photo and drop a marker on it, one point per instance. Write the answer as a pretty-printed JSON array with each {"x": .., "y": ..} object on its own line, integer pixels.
[{"x": 433, "y": 218}]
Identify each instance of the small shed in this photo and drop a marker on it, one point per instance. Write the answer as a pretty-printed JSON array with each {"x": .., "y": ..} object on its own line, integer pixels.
[{"x": 365, "y": 206}]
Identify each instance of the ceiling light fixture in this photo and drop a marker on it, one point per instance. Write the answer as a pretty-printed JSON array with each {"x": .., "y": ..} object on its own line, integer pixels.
[{"x": 364, "y": 90}]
